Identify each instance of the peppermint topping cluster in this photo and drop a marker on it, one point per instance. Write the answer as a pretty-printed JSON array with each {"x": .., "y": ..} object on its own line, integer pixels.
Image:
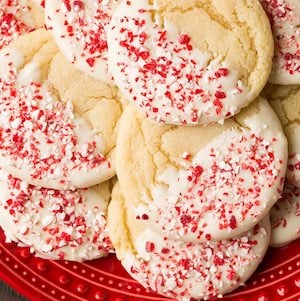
[
  {"x": 12, "y": 23},
  {"x": 175, "y": 269},
  {"x": 227, "y": 185},
  {"x": 58, "y": 223},
  {"x": 82, "y": 29},
  {"x": 284, "y": 17},
  {"x": 39, "y": 134},
  {"x": 287, "y": 208},
  {"x": 170, "y": 80},
  {"x": 294, "y": 169}
]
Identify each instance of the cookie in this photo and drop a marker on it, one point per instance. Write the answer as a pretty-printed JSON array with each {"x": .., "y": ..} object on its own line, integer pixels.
[
  {"x": 79, "y": 29},
  {"x": 202, "y": 183},
  {"x": 284, "y": 16},
  {"x": 285, "y": 100},
  {"x": 177, "y": 60},
  {"x": 18, "y": 17},
  {"x": 57, "y": 125},
  {"x": 57, "y": 225},
  {"x": 285, "y": 217},
  {"x": 179, "y": 270}
]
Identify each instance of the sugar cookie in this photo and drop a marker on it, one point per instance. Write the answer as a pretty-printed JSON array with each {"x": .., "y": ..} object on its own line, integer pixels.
[
  {"x": 79, "y": 29},
  {"x": 202, "y": 183},
  {"x": 284, "y": 16},
  {"x": 65, "y": 225},
  {"x": 177, "y": 60},
  {"x": 285, "y": 100},
  {"x": 18, "y": 17},
  {"x": 285, "y": 217},
  {"x": 57, "y": 125},
  {"x": 184, "y": 270}
]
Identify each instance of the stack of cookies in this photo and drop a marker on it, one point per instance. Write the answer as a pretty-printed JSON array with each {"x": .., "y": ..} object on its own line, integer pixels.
[
  {"x": 173, "y": 98},
  {"x": 58, "y": 134}
]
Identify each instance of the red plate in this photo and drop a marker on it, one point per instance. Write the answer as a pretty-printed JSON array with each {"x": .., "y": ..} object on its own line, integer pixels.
[{"x": 278, "y": 278}]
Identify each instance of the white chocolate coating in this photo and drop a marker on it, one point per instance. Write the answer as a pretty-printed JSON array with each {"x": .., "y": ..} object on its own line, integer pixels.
[
  {"x": 158, "y": 68},
  {"x": 284, "y": 16},
  {"x": 44, "y": 142},
  {"x": 220, "y": 191},
  {"x": 79, "y": 29},
  {"x": 184, "y": 270},
  {"x": 285, "y": 217},
  {"x": 17, "y": 17},
  {"x": 57, "y": 225}
]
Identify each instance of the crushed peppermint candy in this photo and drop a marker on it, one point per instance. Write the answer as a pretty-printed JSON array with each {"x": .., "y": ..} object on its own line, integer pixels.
[
  {"x": 168, "y": 79},
  {"x": 79, "y": 28},
  {"x": 13, "y": 21},
  {"x": 42, "y": 141},
  {"x": 293, "y": 169},
  {"x": 191, "y": 270},
  {"x": 285, "y": 216},
  {"x": 228, "y": 187},
  {"x": 284, "y": 16},
  {"x": 64, "y": 225}
]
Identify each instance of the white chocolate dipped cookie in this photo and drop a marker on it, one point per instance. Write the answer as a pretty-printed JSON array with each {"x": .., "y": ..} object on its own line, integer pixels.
[
  {"x": 177, "y": 60},
  {"x": 184, "y": 271},
  {"x": 79, "y": 29},
  {"x": 57, "y": 225},
  {"x": 57, "y": 125},
  {"x": 18, "y": 17},
  {"x": 285, "y": 21},
  {"x": 285, "y": 101},
  {"x": 285, "y": 217},
  {"x": 202, "y": 183}
]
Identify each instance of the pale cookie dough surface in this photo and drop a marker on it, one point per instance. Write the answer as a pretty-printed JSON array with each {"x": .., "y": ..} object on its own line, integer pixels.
[
  {"x": 285, "y": 217},
  {"x": 58, "y": 125},
  {"x": 190, "y": 62},
  {"x": 184, "y": 270},
  {"x": 79, "y": 29},
  {"x": 285, "y": 21},
  {"x": 18, "y": 17},
  {"x": 41, "y": 3},
  {"x": 285, "y": 100},
  {"x": 202, "y": 183},
  {"x": 57, "y": 225}
]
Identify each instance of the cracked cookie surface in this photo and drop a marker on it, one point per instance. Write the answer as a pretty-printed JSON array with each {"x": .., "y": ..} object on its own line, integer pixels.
[
  {"x": 202, "y": 183},
  {"x": 190, "y": 62},
  {"x": 60, "y": 122},
  {"x": 285, "y": 100}
]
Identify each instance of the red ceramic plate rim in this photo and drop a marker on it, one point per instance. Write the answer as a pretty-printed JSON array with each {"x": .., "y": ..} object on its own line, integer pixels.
[{"x": 277, "y": 279}]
